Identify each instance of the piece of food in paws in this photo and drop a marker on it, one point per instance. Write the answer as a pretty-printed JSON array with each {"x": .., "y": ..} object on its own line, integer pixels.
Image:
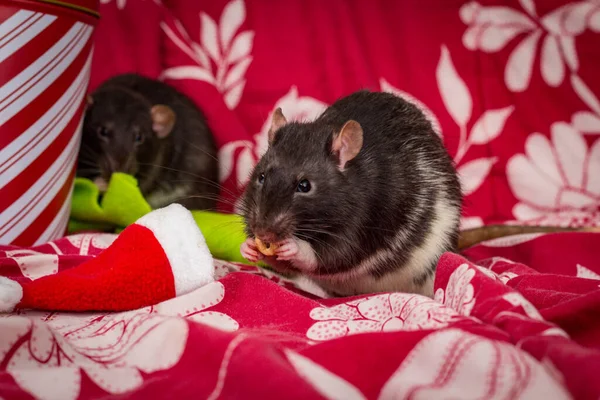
[{"x": 268, "y": 249}]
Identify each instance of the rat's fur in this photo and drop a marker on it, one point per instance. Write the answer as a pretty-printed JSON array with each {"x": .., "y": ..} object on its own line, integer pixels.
[
  {"x": 382, "y": 223},
  {"x": 171, "y": 169}
]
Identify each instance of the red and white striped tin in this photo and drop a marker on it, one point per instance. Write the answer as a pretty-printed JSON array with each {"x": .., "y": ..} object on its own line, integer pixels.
[{"x": 45, "y": 59}]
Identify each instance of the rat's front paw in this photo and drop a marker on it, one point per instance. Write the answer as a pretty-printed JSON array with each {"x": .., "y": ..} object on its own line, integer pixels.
[
  {"x": 287, "y": 250},
  {"x": 298, "y": 252},
  {"x": 250, "y": 251}
]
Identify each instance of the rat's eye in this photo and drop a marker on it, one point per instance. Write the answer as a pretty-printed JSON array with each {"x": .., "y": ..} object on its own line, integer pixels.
[
  {"x": 303, "y": 186},
  {"x": 139, "y": 138},
  {"x": 102, "y": 132},
  {"x": 261, "y": 178}
]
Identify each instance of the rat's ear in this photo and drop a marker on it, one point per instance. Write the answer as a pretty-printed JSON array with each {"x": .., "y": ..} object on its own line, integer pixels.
[
  {"x": 163, "y": 120},
  {"x": 89, "y": 100},
  {"x": 347, "y": 143},
  {"x": 277, "y": 121}
]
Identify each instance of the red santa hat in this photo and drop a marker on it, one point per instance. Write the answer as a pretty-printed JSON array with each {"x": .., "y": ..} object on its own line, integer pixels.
[{"x": 161, "y": 256}]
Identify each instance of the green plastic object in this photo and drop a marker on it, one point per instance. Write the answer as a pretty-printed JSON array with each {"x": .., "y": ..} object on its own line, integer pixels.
[{"x": 123, "y": 203}]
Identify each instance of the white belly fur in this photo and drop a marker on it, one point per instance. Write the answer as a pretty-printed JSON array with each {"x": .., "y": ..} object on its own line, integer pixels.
[{"x": 360, "y": 280}]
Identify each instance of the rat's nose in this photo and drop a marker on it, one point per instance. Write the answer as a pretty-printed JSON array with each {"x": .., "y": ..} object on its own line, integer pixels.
[
  {"x": 101, "y": 184},
  {"x": 265, "y": 236}
]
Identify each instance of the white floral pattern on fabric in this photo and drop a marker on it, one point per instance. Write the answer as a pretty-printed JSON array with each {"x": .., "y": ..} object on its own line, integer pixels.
[
  {"x": 491, "y": 28},
  {"x": 328, "y": 384},
  {"x": 380, "y": 313},
  {"x": 223, "y": 55},
  {"x": 481, "y": 368},
  {"x": 584, "y": 272},
  {"x": 516, "y": 299},
  {"x": 112, "y": 349},
  {"x": 33, "y": 264},
  {"x": 505, "y": 276},
  {"x": 556, "y": 176},
  {"x": 459, "y": 294},
  {"x": 83, "y": 241},
  {"x": 470, "y": 223}
]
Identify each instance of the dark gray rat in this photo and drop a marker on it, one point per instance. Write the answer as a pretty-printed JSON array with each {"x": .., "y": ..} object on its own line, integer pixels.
[
  {"x": 364, "y": 199},
  {"x": 148, "y": 129}
]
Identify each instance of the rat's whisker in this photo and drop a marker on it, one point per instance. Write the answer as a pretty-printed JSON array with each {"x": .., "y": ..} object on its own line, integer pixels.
[
  {"x": 199, "y": 177},
  {"x": 216, "y": 185},
  {"x": 195, "y": 146},
  {"x": 336, "y": 236},
  {"x": 206, "y": 197}
]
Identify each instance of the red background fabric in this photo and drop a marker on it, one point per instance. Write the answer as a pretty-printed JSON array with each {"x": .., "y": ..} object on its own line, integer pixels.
[{"x": 512, "y": 85}]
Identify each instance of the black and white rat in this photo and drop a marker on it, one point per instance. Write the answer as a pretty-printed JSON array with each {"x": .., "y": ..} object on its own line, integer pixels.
[
  {"x": 146, "y": 128},
  {"x": 364, "y": 199}
]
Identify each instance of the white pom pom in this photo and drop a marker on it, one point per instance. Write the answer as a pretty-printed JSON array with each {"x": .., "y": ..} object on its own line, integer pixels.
[{"x": 11, "y": 294}]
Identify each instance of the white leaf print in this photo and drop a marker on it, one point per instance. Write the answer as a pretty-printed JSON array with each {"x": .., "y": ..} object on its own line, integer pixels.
[
  {"x": 583, "y": 272},
  {"x": 245, "y": 163},
  {"x": 585, "y": 94},
  {"x": 454, "y": 92},
  {"x": 527, "y": 182},
  {"x": 216, "y": 320},
  {"x": 569, "y": 19},
  {"x": 35, "y": 266},
  {"x": 153, "y": 353},
  {"x": 585, "y": 121},
  {"x": 473, "y": 173},
  {"x": 529, "y": 6},
  {"x": 209, "y": 35},
  {"x": 226, "y": 154},
  {"x": 570, "y": 149},
  {"x": 233, "y": 95},
  {"x": 468, "y": 12},
  {"x": 237, "y": 72},
  {"x": 470, "y": 222},
  {"x": 520, "y": 63},
  {"x": 482, "y": 368},
  {"x": 593, "y": 183},
  {"x": 328, "y": 384},
  {"x": 203, "y": 59},
  {"x": 41, "y": 382},
  {"x": 594, "y": 22},
  {"x": 459, "y": 294},
  {"x": 498, "y": 15},
  {"x": 516, "y": 299},
  {"x": 241, "y": 46},
  {"x": 493, "y": 38},
  {"x": 232, "y": 18},
  {"x": 471, "y": 36},
  {"x": 567, "y": 43},
  {"x": 539, "y": 150},
  {"x": 115, "y": 379},
  {"x": 553, "y": 69},
  {"x": 489, "y": 125},
  {"x": 188, "y": 72}
]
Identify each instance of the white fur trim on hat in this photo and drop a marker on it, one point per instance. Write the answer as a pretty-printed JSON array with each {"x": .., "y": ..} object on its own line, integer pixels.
[
  {"x": 11, "y": 294},
  {"x": 182, "y": 241}
]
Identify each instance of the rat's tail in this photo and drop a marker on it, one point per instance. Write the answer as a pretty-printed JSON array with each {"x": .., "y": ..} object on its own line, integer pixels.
[{"x": 471, "y": 237}]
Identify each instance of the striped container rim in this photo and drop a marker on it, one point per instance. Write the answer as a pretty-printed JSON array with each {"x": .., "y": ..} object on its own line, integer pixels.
[{"x": 76, "y": 7}]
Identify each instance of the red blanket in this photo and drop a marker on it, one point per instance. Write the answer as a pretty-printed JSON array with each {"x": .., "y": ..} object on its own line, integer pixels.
[
  {"x": 513, "y": 89},
  {"x": 520, "y": 320}
]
